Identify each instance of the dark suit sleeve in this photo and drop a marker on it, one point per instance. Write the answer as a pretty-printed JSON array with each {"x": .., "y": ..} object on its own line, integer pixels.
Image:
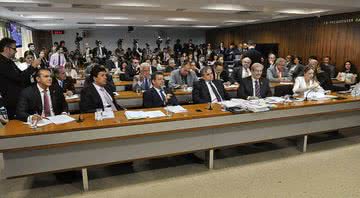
[
  {"x": 196, "y": 93},
  {"x": 22, "y": 107},
  {"x": 241, "y": 92},
  {"x": 268, "y": 92},
  {"x": 173, "y": 100},
  {"x": 22, "y": 77},
  {"x": 86, "y": 103},
  {"x": 147, "y": 99}
]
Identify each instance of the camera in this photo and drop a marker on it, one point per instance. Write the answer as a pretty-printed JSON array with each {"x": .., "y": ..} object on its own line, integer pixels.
[{"x": 159, "y": 41}]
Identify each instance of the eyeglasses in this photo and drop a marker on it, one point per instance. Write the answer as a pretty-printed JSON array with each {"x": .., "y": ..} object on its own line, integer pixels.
[{"x": 13, "y": 48}]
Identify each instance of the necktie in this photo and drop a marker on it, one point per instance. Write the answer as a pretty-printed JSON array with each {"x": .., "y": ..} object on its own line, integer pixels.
[
  {"x": 46, "y": 104},
  {"x": 163, "y": 97},
  {"x": 218, "y": 97},
  {"x": 146, "y": 84},
  {"x": 108, "y": 99},
  {"x": 61, "y": 84},
  {"x": 257, "y": 89},
  {"x": 100, "y": 53},
  {"x": 59, "y": 60}
]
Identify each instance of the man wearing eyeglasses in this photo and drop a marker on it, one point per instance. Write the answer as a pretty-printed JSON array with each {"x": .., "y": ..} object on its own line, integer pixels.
[
  {"x": 12, "y": 80},
  {"x": 207, "y": 89}
]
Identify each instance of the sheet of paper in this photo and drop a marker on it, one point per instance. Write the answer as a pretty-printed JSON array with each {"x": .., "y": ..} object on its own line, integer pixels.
[
  {"x": 60, "y": 119},
  {"x": 176, "y": 109},
  {"x": 75, "y": 96},
  {"x": 154, "y": 114},
  {"x": 286, "y": 83},
  {"x": 41, "y": 123},
  {"x": 130, "y": 115},
  {"x": 108, "y": 114}
]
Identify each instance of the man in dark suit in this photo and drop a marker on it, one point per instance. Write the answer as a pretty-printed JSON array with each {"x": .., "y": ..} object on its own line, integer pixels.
[
  {"x": 207, "y": 89},
  {"x": 255, "y": 86},
  {"x": 252, "y": 53},
  {"x": 31, "y": 50},
  {"x": 158, "y": 95},
  {"x": 97, "y": 95},
  {"x": 62, "y": 82},
  {"x": 99, "y": 52},
  {"x": 112, "y": 63},
  {"x": 12, "y": 80},
  {"x": 242, "y": 71},
  {"x": 40, "y": 100},
  {"x": 132, "y": 70}
]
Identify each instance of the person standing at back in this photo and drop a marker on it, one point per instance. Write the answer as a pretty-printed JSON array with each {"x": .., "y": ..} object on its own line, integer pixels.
[{"x": 12, "y": 80}]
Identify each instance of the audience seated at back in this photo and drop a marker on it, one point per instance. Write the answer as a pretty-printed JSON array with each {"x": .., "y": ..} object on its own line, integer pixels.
[
  {"x": 62, "y": 82},
  {"x": 182, "y": 77},
  {"x": 278, "y": 72},
  {"x": 142, "y": 81},
  {"x": 242, "y": 71}
]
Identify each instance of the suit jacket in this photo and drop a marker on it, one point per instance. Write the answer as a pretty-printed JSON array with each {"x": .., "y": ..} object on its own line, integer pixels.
[
  {"x": 110, "y": 64},
  {"x": 246, "y": 88},
  {"x": 30, "y": 102},
  {"x": 151, "y": 98},
  {"x": 254, "y": 55},
  {"x": 201, "y": 94},
  {"x": 130, "y": 72},
  {"x": 96, "y": 49},
  {"x": 68, "y": 85},
  {"x": 12, "y": 82},
  {"x": 176, "y": 79},
  {"x": 90, "y": 99},
  {"x": 273, "y": 76},
  {"x": 237, "y": 75}
]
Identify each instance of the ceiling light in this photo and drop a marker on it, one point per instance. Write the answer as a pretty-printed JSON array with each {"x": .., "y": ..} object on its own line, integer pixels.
[
  {"x": 158, "y": 26},
  {"x": 204, "y": 26},
  {"x": 39, "y": 16},
  {"x": 112, "y": 18},
  {"x": 19, "y": 1},
  {"x": 180, "y": 19},
  {"x": 302, "y": 11},
  {"x": 225, "y": 7},
  {"x": 108, "y": 25},
  {"x": 241, "y": 21},
  {"x": 135, "y": 4}
]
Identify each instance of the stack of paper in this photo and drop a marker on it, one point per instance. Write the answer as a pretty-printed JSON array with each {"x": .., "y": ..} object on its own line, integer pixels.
[
  {"x": 75, "y": 96},
  {"x": 41, "y": 123},
  {"x": 250, "y": 105},
  {"x": 60, "y": 119},
  {"x": 274, "y": 100},
  {"x": 131, "y": 115},
  {"x": 176, "y": 109}
]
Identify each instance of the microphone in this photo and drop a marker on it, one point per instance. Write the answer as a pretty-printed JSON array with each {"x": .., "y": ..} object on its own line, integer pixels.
[{"x": 311, "y": 90}]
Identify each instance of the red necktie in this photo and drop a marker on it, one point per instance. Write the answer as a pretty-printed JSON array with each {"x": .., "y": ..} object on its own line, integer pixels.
[{"x": 46, "y": 104}]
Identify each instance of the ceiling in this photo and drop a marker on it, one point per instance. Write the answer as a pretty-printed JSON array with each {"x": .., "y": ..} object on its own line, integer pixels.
[{"x": 71, "y": 14}]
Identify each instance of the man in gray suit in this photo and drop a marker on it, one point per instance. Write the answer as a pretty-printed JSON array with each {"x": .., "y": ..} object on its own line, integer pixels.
[
  {"x": 278, "y": 72},
  {"x": 182, "y": 77}
]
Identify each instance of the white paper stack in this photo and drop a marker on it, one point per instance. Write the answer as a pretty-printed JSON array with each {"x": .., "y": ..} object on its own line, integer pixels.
[
  {"x": 251, "y": 105},
  {"x": 132, "y": 115},
  {"x": 274, "y": 100},
  {"x": 60, "y": 119},
  {"x": 176, "y": 109},
  {"x": 75, "y": 96}
]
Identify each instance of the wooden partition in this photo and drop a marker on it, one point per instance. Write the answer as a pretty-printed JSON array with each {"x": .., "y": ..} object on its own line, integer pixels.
[{"x": 337, "y": 36}]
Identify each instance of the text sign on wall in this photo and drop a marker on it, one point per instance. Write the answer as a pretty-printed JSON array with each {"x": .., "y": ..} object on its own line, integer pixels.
[
  {"x": 340, "y": 21},
  {"x": 58, "y": 32}
]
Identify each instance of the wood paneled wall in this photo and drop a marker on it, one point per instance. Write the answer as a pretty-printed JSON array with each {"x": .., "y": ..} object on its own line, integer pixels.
[
  {"x": 303, "y": 37},
  {"x": 42, "y": 38}
]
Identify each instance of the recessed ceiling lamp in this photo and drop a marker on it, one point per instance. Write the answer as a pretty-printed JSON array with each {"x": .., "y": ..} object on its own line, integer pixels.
[
  {"x": 302, "y": 11},
  {"x": 224, "y": 7},
  {"x": 135, "y": 4},
  {"x": 205, "y": 26},
  {"x": 39, "y": 16},
  {"x": 112, "y": 18},
  {"x": 108, "y": 25},
  {"x": 180, "y": 19},
  {"x": 20, "y": 1},
  {"x": 158, "y": 26},
  {"x": 241, "y": 21}
]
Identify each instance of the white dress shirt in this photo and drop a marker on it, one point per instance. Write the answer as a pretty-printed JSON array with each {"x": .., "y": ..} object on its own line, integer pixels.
[
  {"x": 103, "y": 94},
  {"x": 212, "y": 94},
  {"x": 42, "y": 113},
  {"x": 246, "y": 72},
  {"x": 300, "y": 85}
]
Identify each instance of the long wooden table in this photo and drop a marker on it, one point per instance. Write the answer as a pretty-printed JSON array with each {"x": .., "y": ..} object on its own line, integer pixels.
[{"x": 91, "y": 143}]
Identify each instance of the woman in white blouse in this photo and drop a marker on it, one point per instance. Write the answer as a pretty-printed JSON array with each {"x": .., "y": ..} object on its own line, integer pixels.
[
  {"x": 306, "y": 82},
  {"x": 70, "y": 71}
]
